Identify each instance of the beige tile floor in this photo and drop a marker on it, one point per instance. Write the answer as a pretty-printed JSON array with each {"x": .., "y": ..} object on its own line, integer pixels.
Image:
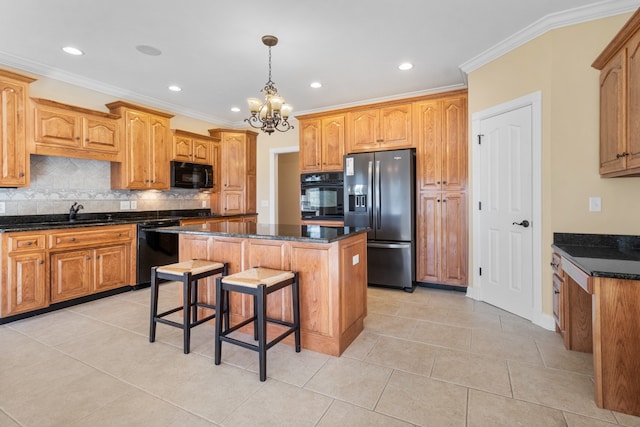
[{"x": 431, "y": 358}]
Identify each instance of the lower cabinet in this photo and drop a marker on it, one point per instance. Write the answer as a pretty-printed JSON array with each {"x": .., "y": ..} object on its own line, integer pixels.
[
  {"x": 441, "y": 253},
  {"x": 52, "y": 266}
]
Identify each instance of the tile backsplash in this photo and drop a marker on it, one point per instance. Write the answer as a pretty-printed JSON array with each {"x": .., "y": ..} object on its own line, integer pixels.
[{"x": 57, "y": 182}]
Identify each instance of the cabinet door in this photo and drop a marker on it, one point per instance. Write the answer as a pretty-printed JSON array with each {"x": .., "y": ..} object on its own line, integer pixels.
[
  {"x": 233, "y": 159},
  {"x": 201, "y": 152},
  {"x": 428, "y": 136},
  {"x": 232, "y": 202},
  {"x": 159, "y": 145},
  {"x": 58, "y": 128},
  {"x": 110, "y": 267},
  {"x": 633, "y": 102},
  {"x": 453, "y": 243},
  {"x": 310, "y": 140},
  {"x": 13, "y": 162},
  {"x": 71, "y": 274},
  {"x": 395, "y": 130},
  {"x": 137, "y": 134},
  {"x": 364, "y": 128},
  {"x": 26, "y": 286},
  {"x": 250, "y": 195},
  {"x": 182, "y": 148},
  {"x": 454, "y": 142},
  {"x": 428, "y": 238},
  {"x": 332, "y": 143},
  {"x": 612, "y": 113},
  {"x": 101, "y": 135}
]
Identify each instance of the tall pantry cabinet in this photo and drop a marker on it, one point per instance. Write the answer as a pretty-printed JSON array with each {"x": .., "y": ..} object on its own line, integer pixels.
[
  {"x": 14, "y": 161},
  {"x": 440, "y": 132}
]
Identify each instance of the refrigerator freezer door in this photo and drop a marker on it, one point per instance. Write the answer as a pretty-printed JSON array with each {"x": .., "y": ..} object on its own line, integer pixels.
[
  {"x": 393, "y": 189},
  {"x": 358, "y": 196},
  {"x": 390, "y": 264}
]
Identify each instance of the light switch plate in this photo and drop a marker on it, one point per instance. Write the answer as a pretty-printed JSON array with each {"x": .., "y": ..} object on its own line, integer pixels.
[
  {"x": 134, "y": 204},
  {"x": 595, "y": 204},
  {"x": 125, "y": 205},
  {"x": 356, "y": 259},
  {"x": 2, "y": 207}
]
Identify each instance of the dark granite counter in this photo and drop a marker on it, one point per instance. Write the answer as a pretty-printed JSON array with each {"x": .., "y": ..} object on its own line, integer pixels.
[
  {"x": 601, "y": 255},
  {"x": 297, "y": 233},
  {"x": 46, "y": 222}
]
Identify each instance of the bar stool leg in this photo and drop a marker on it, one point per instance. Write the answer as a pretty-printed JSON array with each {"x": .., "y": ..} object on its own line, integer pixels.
[
  {"x": 261, "y": 318},
  {"x": 221, "y": 297},
  {"x": 295, "y": 294},
  {"x": 186, "y": 315},
  {"x": 194, "y": 301},
  {"x": 154, "y": 305}
]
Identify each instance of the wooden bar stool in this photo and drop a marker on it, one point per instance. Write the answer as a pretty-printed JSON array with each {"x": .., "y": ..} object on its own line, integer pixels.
[
  {"x": 187, "y": 272},
  {"x": 258, "y": 282}
]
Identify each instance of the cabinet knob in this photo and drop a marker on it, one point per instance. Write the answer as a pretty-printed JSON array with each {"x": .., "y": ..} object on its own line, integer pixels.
[
  {"x": 29, "y": 243},
  {"x": 41, "y": 262},
  {"x": 88, "y": 258},
  {"x": 21, "y": 174},
  {"x": 438, "y": 182},
  {"x": 86, "y": 139},
  {"x": 444, "y": 182},
  {"x": 77, "y": 138},
  {"x": 438, "y": 200},
  {"x": 444, "y": 200},
  {"x": 97, "y": 256},
  {"x": 555, "y": 291},
  {"x": 73, "y": 239}
]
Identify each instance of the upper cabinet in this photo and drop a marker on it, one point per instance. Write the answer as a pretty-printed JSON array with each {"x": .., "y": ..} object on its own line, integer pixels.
[
  {"x": 619, "y": 66},
  {"x": 65, "y": 130},
  {"x": 237, "y": 191},
  {"x": 440, "y": 131},
  {"x": 322, "y": 144},
  {"x": 192, "y": 148},
  {"x": 147, "y": 148},
  {"x": 14, "y": 161},
  {"x": 384, "y": 128}
]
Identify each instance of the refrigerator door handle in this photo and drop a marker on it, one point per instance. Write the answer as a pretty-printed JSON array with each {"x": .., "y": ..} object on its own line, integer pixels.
[
  {"x": 369, "y": 192},
  {"x": 378, "y": 197}
]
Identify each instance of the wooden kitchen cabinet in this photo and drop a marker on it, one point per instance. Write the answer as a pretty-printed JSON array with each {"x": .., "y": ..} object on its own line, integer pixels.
[
  {"x": 192, "y": 148},
  {"x": 65, "y": 130},
  {"x": 147, "y": 148},
  {"x": 237, "y": 190},
  {"x": 14, "y": 161},
  {"x": 322, "y": 142},
  {"x": 441, "y": 252},
  {"x": 24, "y": 275},
  {"x": 619, "y": 65},
  {"x": 384, "y": 128},
  {"x": 440, "y": 132}
]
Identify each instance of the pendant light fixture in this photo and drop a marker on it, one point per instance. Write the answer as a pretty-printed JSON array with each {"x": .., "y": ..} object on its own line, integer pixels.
[{"x": 272, "y": 113}]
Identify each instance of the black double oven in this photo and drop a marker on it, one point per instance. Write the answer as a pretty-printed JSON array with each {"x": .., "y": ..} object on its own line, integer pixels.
[{"x": 321, "y": 196}]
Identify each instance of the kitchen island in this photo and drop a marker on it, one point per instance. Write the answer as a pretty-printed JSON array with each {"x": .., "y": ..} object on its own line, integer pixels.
[{"x": 331, "y": 261}]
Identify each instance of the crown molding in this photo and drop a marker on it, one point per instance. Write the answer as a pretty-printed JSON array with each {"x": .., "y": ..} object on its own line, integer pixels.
[
  {"x": 550, "y": 22},
  {"x": 27, "y": 65}
]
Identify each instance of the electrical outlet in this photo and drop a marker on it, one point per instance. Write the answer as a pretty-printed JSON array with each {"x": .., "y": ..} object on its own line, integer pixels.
[
  {"x": 2, "y": 208},
  {"x": 595, "y": 204},
  {"x": 204, "y": 203},
  {"x": 125, "y": 205},
  {"x": 356, "y": 259},
  {"x": 134, "y": 204}
]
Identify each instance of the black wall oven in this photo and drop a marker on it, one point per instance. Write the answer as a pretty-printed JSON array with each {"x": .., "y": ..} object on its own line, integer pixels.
[{"x": 321, "y": 196}]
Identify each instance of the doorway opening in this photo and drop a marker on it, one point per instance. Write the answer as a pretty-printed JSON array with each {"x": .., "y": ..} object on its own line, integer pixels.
[{"x": 284, "y": 188}]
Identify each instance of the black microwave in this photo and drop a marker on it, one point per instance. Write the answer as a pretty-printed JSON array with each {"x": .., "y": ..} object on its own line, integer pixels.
[{"x": 191, "y": 175}]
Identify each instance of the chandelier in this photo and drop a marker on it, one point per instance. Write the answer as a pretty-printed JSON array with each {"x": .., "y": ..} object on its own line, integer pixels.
[{"x": 272, "y": 113}]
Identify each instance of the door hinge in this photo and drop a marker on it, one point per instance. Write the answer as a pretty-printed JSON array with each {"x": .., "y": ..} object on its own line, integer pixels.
[
  {"x": 480, "y": 138},
  {"x": 480, "y": 271}
]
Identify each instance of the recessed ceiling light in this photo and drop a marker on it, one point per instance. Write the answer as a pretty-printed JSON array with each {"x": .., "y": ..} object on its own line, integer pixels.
[
  {"x": 235, "y": 109},
  {"x": 405, "y": 66},
  {"x": 72, "y": 50},
  {"x": 316, "y": 85},
  {"x": 175, "y": 88},
  {"x": 148, "y": 50}
]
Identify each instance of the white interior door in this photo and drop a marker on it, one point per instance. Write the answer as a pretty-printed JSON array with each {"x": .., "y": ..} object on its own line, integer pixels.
[{"x": 505, "y": 223}]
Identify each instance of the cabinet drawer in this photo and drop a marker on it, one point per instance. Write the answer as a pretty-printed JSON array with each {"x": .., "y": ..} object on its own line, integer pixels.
[
  {"x": 556, "y": 264},
  {"x": 93, "y": 237},
  {"x": 25, "y": 242}
]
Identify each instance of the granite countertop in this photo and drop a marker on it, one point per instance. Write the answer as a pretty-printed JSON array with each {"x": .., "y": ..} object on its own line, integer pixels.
[
  {"x": 601, "y": 255},
  {"x": 296, "y": 233},
  {"x": 46, "y": 222}
]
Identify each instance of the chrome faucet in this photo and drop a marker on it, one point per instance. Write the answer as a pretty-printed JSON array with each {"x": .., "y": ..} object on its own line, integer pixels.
[{"x": 73, "y": 210}]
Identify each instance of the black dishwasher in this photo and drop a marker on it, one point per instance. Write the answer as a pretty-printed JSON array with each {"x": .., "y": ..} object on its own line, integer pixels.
[{"x": 154, "y": 248}]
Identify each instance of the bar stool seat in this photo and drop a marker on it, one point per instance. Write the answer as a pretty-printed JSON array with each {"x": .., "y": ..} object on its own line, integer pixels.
[
  {"x": 187, "y": 272},
  {"x": 258, "y": 282}
]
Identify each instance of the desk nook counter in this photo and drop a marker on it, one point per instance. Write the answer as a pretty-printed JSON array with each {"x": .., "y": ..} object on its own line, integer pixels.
[{"x": 331, "y": 262}]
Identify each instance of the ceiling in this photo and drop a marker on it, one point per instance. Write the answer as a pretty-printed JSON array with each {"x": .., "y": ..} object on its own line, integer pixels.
[{"x": 213, "y": 49}]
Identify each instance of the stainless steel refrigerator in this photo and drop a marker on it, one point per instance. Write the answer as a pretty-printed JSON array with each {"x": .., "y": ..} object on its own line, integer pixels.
[{"x": 379, "y": 192}]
